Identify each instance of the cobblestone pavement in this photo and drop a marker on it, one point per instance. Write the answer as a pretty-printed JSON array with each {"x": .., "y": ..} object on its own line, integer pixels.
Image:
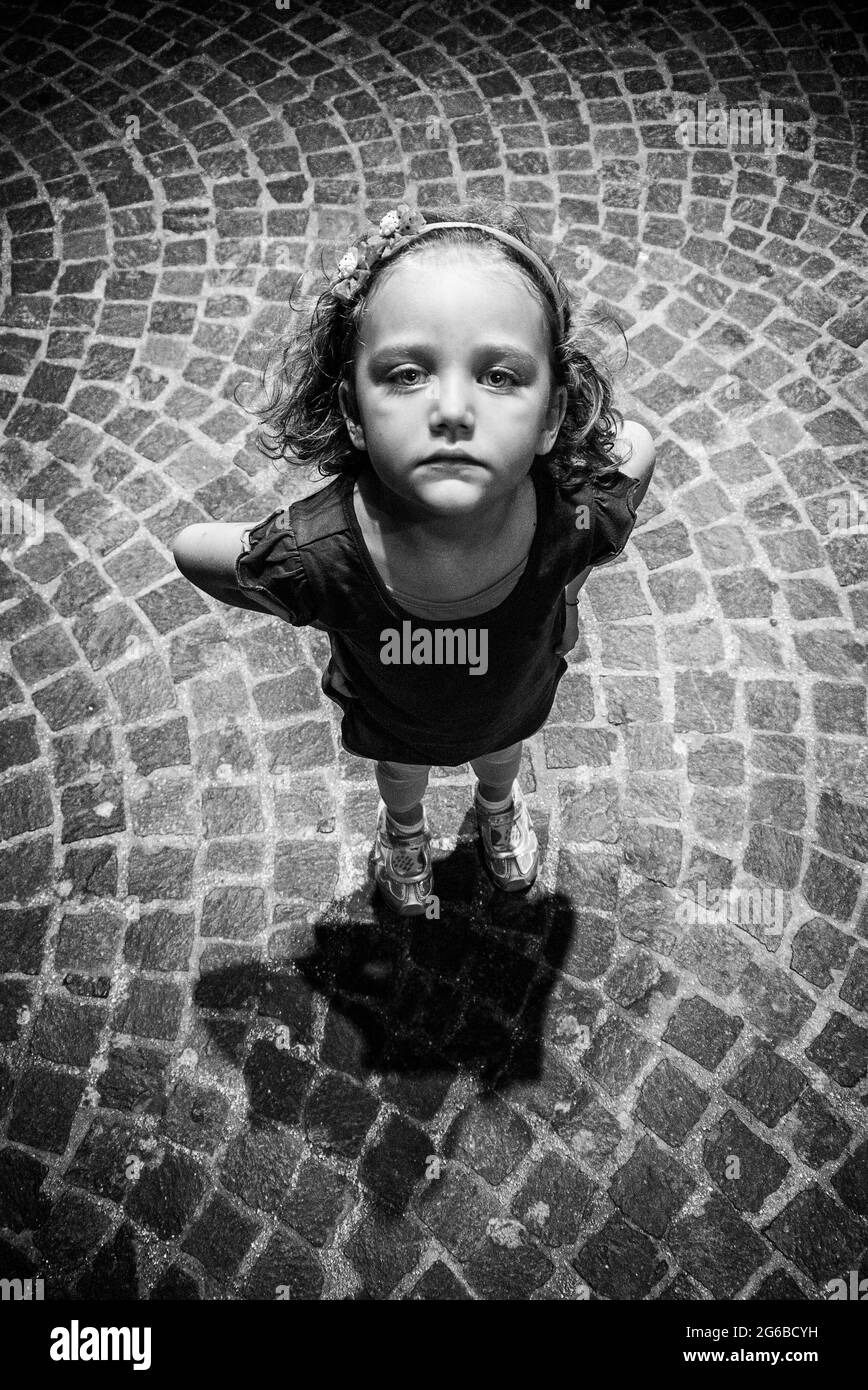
[{"x": 225, "y": 1074}]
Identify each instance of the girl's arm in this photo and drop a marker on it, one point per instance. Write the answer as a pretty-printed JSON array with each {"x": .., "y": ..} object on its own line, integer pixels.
[{"x": 635, "y": 452}]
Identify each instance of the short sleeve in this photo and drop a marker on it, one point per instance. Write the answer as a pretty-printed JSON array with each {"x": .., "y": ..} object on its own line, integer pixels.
[
  {"x": 270, "y": 564},
  {"x": 613, "y": 516}
]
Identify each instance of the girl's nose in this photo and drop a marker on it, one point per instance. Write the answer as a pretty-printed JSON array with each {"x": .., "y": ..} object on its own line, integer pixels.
[{"x": 450, "y": 405}]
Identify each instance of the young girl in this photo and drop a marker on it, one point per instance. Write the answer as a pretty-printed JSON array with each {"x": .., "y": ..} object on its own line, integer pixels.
[{"x": 481, "y": 473}]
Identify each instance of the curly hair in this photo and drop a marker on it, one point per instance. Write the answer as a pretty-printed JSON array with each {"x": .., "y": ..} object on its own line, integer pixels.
[{"x": 304, "y": 369}]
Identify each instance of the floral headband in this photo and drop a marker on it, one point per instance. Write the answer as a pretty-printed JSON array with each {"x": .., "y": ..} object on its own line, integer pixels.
[{"x": 399, "y": 227}]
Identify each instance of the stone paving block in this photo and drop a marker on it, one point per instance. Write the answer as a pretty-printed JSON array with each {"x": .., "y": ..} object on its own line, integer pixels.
[
  {"x": 101, "y": 1160},
  {"x": 439, "y": 1282},
  {"x": 591, "y": 1131},
  {"x": 702, "y": 1031},
  {"x": 504, "y": 1267},
  {"x": 830, "y": 887},
  {"x": 420, "y": 1095},
  {"x": 854, "y": 988},
  {"x": 23, "y": 1206},
  {"x": 73, "y": 1230},
  {"x": 286, "y": 1269},
  {"x": 818, "y": 949},
  {"x": 634, "y": 977},
  {"x": 851, "y": 1180},
  {"x": 670, "y": 1103},
  {"x": 318, "y": 1202},
  {"x": 490, "y": 1137},
  {"x": 772, "y": 1003},
  {"x": 80, "y": 753},
  {"x": 383, "y": 1249},
  {"x": 115, "y": 1272},
  {"x": 778, "y": 1286},
  {"x": 26, "y": 805},
  {"x": 220, "y": 1237},
  {"x": 745, "y": 1168},
  {"x": 647, "y": 914},
  {"x": 651, "y": 1187},
  {"x": 26, "y": 870},
  {"x": 234, "y": 912},
  {"x": 93, "y": 809},
  {"x": 394, "y": 1161},
  {"x": 767, "y": 1084},
  {"x": 338, "y": 1115},
  {"x": 619, "y": 1261},
  {"x": 68, "y": 1032},
  {"x": 152, "y": 1009},
  {"x": 554, "y": 1201},
  {"x": 18, "y": 742},
  {"x": 165, "y": 1196},
  {"x": 160, "y": 873},
  {"x": 819, "y": 1135},
  {"x": 305, "y": 870},
  {"x": 711, "y": 952},
  {"x": 195, "y": 1116},
  {"x": 165, "y": 806},
  {"x": 92, "y": 870},
  {"x": 277, "y": 1082},
  {"x": 44, "y": 1107},
  {"x": 616, "y": 1055},
  {"x": 818, "y": 1235},
  {"x": 682, "y": 1289},
  {"x": 718, "y": 1248},
  {"x": 160, "y": 940},
  {"x": 175, "y": 1285},
  {"x": 165, "y": 745},
  {"x": 142, "y": 689},
  {"x": 133, "y": 1079},
  {"x": 456, "y": 1206},
  {"x": 16, "y": 1001},
  {"x": 841, "y": 1050},
  {"x": 22, "y": 937}
]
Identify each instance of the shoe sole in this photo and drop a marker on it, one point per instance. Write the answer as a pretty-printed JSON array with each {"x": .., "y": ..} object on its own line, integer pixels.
[{"x": 405, "y": 909}]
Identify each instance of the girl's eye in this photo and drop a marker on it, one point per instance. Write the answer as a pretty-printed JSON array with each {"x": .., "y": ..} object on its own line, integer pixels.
[
  {"x": 398, "y": 378},
  {"x": 507, "y": 377}
]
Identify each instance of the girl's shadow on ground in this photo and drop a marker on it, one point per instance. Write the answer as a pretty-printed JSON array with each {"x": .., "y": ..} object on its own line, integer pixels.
[{"x": 465, "y": 991}]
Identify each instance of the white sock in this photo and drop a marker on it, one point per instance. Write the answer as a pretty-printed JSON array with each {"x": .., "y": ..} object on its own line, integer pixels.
[
  {"x": 397, "y": 828},
  {"x": 494, "y": 806}
]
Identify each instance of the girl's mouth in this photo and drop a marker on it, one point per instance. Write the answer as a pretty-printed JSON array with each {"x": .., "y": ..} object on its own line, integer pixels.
[{"x": 462, "y": 459}]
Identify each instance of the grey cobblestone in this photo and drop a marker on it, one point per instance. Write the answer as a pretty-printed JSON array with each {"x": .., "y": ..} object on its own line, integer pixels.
[{"x": 222, "y": 1074}]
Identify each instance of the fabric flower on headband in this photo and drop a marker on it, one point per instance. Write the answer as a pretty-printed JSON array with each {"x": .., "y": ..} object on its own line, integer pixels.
[{"x": 394, "y": 231}]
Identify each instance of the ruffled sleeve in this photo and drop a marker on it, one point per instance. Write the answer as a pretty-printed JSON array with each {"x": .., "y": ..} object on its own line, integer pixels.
[
  {"x": 270, "y": 565},
  {"x": 613, "y": 516}
]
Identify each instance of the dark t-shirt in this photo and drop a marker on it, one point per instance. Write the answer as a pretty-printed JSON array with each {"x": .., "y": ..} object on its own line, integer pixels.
[{"x": 412, "y": 689}]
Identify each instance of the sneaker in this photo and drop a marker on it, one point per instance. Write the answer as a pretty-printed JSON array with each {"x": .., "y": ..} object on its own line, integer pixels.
[
  {"x": 402, "y": 866},
  {"x": 509, "y": 845}
]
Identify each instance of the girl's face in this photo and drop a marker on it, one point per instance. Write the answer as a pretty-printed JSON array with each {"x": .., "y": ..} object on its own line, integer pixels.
[{"x": 453, "y": 356}]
